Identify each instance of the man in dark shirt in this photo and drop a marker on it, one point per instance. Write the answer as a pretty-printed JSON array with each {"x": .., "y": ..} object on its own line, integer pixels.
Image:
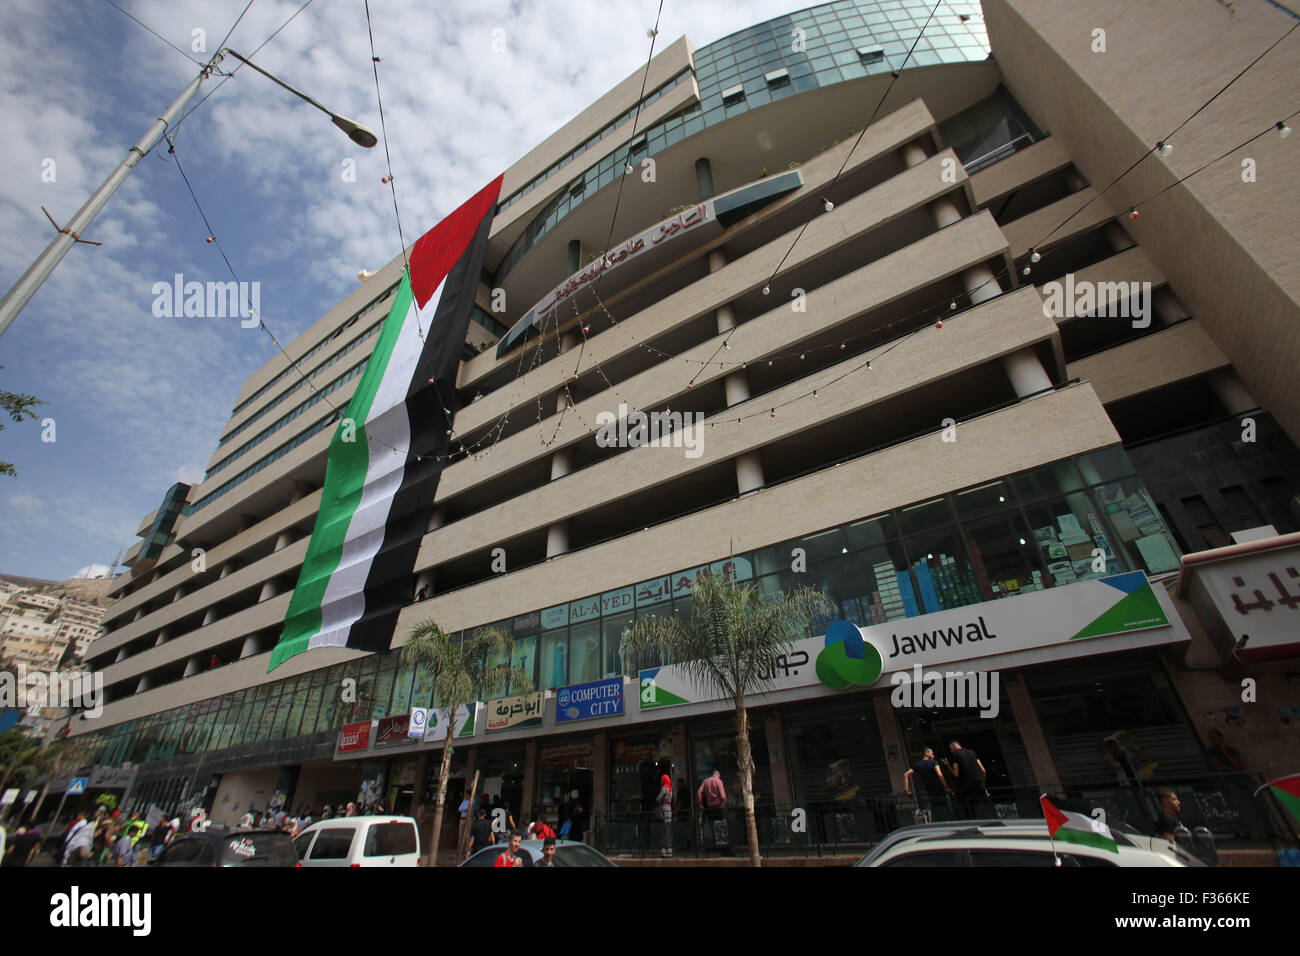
[
  {"x": 970, "y": 776},
  {"x": 21, "y": 846},
  {"x": 932, "y": 792},
  {"x": 1168, "y": 824},
  {"x": 480, "y": 833}
]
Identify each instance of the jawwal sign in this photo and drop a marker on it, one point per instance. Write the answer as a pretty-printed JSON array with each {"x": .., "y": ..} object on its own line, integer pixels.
[{"x": 848, "y": 655}]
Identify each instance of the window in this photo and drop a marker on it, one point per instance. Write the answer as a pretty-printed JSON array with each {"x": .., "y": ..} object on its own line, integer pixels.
[
  {"x": 332, "y": 844},
  {"x": 303, "y": 843},
  {"x": 981, "y": 857},
  {"x": 486, "y": 857},
  {"x": 928, "y": 858},
  {"x": 579, "y": 856},
  {"x": 391, "y": 839},
  {"x": 873, "y": 54},
  {"x": 733, "y": 94}
]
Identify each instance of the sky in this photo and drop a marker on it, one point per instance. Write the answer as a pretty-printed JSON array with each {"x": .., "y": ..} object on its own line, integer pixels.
[{"x": 135, "y": 402}]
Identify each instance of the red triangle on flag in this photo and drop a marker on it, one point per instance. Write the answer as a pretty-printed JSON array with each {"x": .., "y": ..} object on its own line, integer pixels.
[{"x": 1055, "y": 818}]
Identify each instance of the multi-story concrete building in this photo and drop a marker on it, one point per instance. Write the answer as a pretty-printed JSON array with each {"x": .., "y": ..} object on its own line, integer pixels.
[{"x": 864, "y": 271}]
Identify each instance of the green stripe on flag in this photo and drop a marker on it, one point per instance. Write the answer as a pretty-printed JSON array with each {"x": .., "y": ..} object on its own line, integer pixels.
[
  {"x": 1288, "y": 800},
  {"x": 1090, "y": 838},
  {"x": 345, "y": 474}
]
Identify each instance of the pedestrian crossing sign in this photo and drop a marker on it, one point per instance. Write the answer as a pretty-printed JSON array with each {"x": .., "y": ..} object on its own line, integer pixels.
[{"x": 78, "y": 785}]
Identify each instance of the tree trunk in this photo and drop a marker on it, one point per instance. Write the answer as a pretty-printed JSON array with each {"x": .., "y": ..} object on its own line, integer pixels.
[
  {"x": 440, "y": 800},
  {"x": 747, "y": 780}
]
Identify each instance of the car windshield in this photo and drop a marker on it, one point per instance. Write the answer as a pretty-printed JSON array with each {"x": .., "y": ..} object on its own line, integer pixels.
[{"x": 579, "y": 856}]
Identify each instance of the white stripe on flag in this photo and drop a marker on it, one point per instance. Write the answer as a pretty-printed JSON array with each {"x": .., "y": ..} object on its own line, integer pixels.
[{"x": 387, "y": 428}]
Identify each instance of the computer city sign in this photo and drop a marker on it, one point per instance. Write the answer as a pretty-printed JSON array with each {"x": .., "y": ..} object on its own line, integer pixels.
[{"x": 851, "y": 656}]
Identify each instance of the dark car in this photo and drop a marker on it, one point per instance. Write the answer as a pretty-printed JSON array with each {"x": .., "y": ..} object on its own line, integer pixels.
[
  {"x": 239, "y": 847},
  {"x": 567, "y": 853}
]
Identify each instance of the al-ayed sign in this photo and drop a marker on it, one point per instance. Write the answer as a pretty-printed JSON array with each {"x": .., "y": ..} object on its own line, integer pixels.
[
  {"x": 392, "y": 730},
  {"x": 521, "y": 710},
  {"x": 602, "y": 698},
  {"x": 466, "y": 719},
  {"x": 1095, "y": 608},
  {"x": 354, "y": 736}
]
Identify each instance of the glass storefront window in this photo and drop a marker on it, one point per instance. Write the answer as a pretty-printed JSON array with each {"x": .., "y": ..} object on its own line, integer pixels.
[
  {"x": 940, "y": 571},
  {"x": 1066, "y": 531},
  {"x": 584, "y": 652},
  {"x": 1047, "y": 481},
  {"x": 1005, "y": 556},
  {"x": 554, "y": 668},
  {"x": 613, "y": 628},
  {"x": 525, "y": 658},
  {"x": 924, "y": 516},
  {"x": 1137, "y": 531}
]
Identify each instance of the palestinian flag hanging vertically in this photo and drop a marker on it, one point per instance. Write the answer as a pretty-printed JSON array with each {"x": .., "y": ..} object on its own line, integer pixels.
[{"x": 382, "y": 471}]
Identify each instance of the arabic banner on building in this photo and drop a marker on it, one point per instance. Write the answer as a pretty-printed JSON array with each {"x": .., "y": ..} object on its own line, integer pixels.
[
  {"x": 602, "y": 698},
  {"x": 522, "y": 710},
  {"x": 392, "y": 730},
  {"x": 354, "y": 736},
  {"x": 1096, "y": 608},
  {"x": 1257, "y": 596}
]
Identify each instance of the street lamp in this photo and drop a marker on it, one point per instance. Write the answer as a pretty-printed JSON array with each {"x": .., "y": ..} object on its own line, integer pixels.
[{"x": 40, "y": 270}]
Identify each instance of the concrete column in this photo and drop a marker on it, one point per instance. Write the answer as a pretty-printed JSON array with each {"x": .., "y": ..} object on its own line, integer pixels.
[
  {"x": 139, "y": 613},
  {"x": 227, "y": 569},
  {"x": 704, "y": 178},
  {"x": 163, "y": 637},
  {"x": 283, "y": 540},
  {"x": 599, "y": 774},
  {"x": 717, "y": 259},
  {"x": 121, "y": 655},
  {"x": 177, "y": 595},
  {"x": 737, "y": 388},
  {"x": 531, "y": 767},
  {"x": 269, "y": 590},
  {"x": 569, "y": 340},
  {"x": 250, "y": 647},
  {"x": 210, "y": 615},
  {"x": 424, "y": 580},
  {"x": 980, "y": 284},
  {"x": 749, "y": 472},
  {"x": 945, "y": 212},
  {"x": 889, "y": 737},
  {"x": 561, "y": 463},
  {"x": 914, "y": 153},
  {"x": 1031, "y": 732},
  {"x": 782, "y": 791},
  {"x": 1230, "y": 389},
  {"x": 301, "y": 489},
  {"x": 1073, "y": 181},
  {"x": 438, "y": 518},
  {"x": 557, "y": 539},
  {"x": 1026, "y": 372},
  {"x": 575, "y": 255},
  {"x": 192, "y": 667},
  {"x": 144, "y": 685}
]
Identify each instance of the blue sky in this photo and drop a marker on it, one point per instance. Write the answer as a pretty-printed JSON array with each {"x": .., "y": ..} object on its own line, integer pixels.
[{"x": 138, "y": 402}]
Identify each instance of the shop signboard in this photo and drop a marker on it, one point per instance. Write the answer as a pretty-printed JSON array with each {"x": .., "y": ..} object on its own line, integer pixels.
[
  {"x": 392, "y": 730},
  {"x": 418, "y": 722},
  {"x": 1258, "y": 598},
  {"x": 354, "y": 736},
  {"x": 848, "y": 655},
  {"x": 602, "y": 698},
  {"x": 522, "y": 710},
  {"x": 103, "y": 778},
  {"x": 466, "y": 722}
]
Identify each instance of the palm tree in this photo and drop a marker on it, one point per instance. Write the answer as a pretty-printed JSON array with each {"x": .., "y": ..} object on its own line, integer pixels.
[
  {"x": 729, "y": 644},
  {"x": 462, "y": 673}
]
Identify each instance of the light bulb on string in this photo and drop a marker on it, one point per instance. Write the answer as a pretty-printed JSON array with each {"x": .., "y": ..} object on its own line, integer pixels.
[
  {"x": 1034, "y": 255},
  {"x": 1282, "y": 129},
  {"x": 767, "y": 290},
  {"x": 828, "y": 205},
  {"x": 1133, "y": 213},
  {"x": 1165, "y": 148}
]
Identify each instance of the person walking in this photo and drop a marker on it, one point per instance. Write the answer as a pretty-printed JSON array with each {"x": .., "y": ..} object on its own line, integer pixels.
[
  {"x": 1168, "y": 825},
  {"x": 22, "y": 847},
  {"x": 664, "y": 809},
  {"x": 480, "y": 833},
  {"x": 971, "y": 778},
  {"x": 78, "y": 841},
  {"x": 712, "y": 796},
  {"x": 931, "y": 787},
  {"x": 159, "y": 839}
]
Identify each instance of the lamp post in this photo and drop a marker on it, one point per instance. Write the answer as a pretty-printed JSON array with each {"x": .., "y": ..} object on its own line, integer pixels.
[{"x": 40, "y": 270}]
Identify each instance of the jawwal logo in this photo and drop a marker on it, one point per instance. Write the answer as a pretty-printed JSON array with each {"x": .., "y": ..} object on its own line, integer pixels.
[{"x": 848, "y": 659}]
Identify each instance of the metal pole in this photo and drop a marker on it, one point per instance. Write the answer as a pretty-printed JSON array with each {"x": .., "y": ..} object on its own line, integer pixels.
[{"x": 40, "y": 270}]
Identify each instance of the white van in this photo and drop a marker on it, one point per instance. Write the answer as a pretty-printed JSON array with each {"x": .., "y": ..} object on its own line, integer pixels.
[{"x": 360, "y": 841}]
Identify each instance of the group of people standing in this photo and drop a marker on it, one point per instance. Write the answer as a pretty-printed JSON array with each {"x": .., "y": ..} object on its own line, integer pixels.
[
  {"x": 955, "y": 785},
  {"x": 110, "y": 839}
]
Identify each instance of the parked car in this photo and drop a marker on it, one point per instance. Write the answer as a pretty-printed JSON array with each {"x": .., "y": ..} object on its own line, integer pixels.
[
  {"x": 980, "y": 843},
  {"x": 235, "y": 847},
  {"x": 360, "y": 841},
  {"x": 567, "y": 853}
]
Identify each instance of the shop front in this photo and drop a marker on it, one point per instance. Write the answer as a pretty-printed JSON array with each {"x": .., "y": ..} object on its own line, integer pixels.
[{"x": 566, "y": 784}]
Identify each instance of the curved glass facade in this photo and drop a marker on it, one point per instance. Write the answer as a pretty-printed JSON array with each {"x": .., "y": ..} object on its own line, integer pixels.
[{"x": 817, "y": 47}]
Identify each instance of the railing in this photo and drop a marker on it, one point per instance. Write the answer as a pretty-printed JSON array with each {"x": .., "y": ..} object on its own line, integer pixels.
[
  {"x": 993, "y": 155},
  {"x": 1224, "y": 803}
]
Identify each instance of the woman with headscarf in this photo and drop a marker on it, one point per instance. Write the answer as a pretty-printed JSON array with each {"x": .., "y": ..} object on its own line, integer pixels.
[{"x": 664, "y": 806}]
